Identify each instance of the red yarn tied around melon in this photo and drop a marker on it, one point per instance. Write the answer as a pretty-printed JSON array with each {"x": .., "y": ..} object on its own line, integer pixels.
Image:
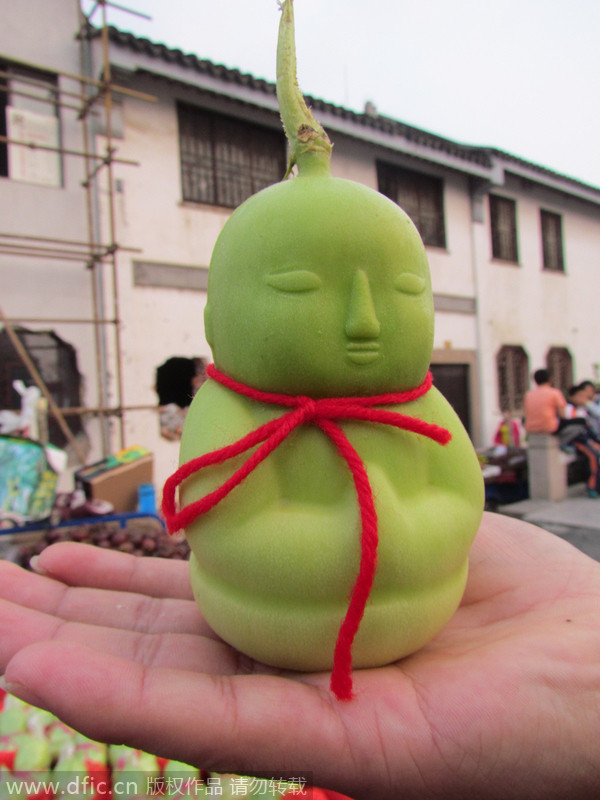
[{"x": 268, "y": 437}]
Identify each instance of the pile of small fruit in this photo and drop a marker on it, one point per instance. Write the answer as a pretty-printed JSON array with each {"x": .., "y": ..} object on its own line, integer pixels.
[
  {"x": 141, "y": 536},
  {"x": 41, "y": 758}
]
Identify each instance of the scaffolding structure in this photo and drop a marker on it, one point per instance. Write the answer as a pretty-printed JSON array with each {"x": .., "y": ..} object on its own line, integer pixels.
[{"x": 88, "y": 97}]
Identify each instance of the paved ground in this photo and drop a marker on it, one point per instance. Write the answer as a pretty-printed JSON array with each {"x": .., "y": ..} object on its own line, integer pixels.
[{"x": 576, "y": 518}]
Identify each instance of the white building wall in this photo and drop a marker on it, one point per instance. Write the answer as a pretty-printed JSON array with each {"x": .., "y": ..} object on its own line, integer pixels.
[
  {"x": 150, "y": 216},
  {"x": 452, "y": 268},
  {"x": 538, "y": 309},
  {"x": 42, "y": 34},
  {"x": 582, "y": 258},
  {"x": 353, "y": 161},
  {"x": 455, "y": 331}
]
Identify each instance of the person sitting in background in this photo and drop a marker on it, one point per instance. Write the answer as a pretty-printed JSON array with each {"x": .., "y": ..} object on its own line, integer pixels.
[
  {"x": 576, "y": 403},
  {"x": 545, "y": 411},
  {"x": 592, "y": 404},
  {"x": 586, "y": 441},
  {"x": 543, "y": 405}
]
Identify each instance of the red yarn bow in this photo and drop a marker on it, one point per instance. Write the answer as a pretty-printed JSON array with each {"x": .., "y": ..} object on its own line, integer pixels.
[{"x": 269, "y": 436}]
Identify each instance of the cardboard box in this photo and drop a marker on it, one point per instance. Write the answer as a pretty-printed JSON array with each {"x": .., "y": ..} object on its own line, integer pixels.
[{"x": 117, "y": 478}]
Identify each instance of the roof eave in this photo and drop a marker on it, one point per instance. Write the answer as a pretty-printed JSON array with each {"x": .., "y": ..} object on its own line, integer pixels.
[{"x": 135, "y": 54}]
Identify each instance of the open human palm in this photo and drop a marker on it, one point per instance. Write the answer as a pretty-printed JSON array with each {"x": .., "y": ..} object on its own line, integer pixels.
[{"x": 503, "y": 703}]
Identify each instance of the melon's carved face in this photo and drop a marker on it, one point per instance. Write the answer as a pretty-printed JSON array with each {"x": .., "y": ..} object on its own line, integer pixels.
[{"x": 321, "y": 292}]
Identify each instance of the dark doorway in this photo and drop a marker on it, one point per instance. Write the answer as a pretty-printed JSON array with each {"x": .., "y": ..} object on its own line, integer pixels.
[{"x": 452, "y": 380}]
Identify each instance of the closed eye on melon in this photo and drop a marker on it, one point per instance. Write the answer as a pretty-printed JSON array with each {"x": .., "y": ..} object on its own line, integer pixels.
[
  {"x": 294, "y": 281},
  {"x": 409, "y": 283}
]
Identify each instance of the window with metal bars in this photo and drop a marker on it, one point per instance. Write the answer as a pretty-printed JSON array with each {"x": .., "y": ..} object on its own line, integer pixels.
[
  {"x": 503, "y": 222},
  {"x": 559, "y": 363},
  {"x": 512, "y": 366},
  {"x": 224, "y": 160},
  {"x": 421, "y": 196},
  {"x": 552, "y": 241}
]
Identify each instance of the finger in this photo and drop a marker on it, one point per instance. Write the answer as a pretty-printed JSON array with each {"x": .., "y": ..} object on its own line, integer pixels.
[
  {"x": 20, "y": 627},
  {"x": 87, "y": 565},
  {"x": 120, "y": 609},
  {"x": 240, "y": 724}
]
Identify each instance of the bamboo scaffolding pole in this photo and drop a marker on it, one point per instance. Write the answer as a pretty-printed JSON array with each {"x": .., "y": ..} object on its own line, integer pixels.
[
  {"x": 113, "y": 411},
  {"x": 51, "y": 239},
  {"x": 64, "y": 151},
  {"x": 109, "y": 3},
  {"x": 55, "y": 103},
  {"x": 102, "y": 248},
  {"x": 50, "y": 256},
  {"x": 106, "y": 161},
  {"x": 39, "y": 381},
  {"x": 61, "y": 320},
  {"x": 112, "y": 221},
  {"x": 92, "y": 81},
  {"x": 88, "y": 102},
  {"x": 39, "y": 84},
  {"x": 29, "y": 249},
  {"x": 96, "y": 280},
  {"x": 88, "y": 259}
]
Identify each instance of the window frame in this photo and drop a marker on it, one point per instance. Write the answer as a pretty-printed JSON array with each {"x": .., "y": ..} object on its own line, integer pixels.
[
  {"x": 551, "y": 231},
  {"x": 504, "y": 232},
  {"x": 34, "y": 90},
  {"x": 512, "y": 373},
  {"x": 559, "y": 363},
  {"x": 214, "y": 167},
  {"x": 426, "y": 208}
]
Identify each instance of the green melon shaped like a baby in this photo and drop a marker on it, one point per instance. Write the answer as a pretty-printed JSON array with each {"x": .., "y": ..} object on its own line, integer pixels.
[{"x": 320, "y": 286}]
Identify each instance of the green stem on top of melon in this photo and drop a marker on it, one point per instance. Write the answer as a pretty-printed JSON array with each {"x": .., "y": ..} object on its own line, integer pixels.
[{"x": 310, "y": 147}]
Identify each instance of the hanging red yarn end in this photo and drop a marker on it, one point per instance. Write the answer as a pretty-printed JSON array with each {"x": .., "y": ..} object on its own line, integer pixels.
[
  {"x": 341, "y": 672},
  {"x": 269, "y": 436}
]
